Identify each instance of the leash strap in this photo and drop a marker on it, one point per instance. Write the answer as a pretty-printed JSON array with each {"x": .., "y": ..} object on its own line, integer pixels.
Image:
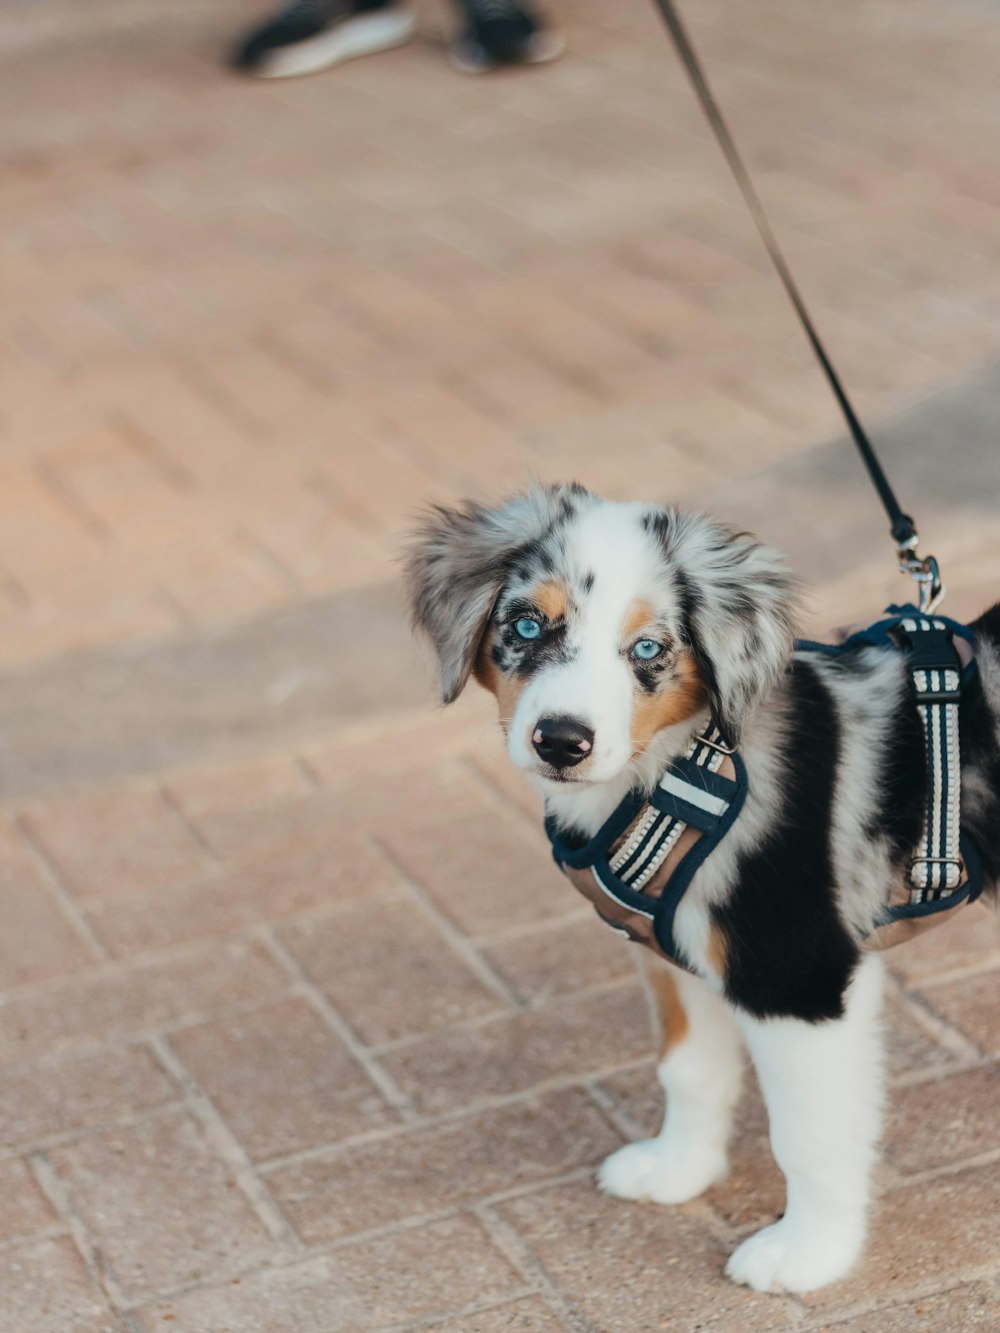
[
  {"x": 902, "y": 526},
  {"x": 938, "y": 867}
]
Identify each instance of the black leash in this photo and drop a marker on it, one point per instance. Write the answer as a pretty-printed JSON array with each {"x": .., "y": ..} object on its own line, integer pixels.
[{"x": 902, "y": 526}]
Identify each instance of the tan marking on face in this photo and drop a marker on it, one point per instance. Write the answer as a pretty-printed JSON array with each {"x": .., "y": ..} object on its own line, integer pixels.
[
  {"x": 551, "y": 598},
  {"x": 679, "y": 699},
  {"x": 670, "y": 1012},
  {"x": 639, "y": 617},
  {"x": 506, "y": 687}
]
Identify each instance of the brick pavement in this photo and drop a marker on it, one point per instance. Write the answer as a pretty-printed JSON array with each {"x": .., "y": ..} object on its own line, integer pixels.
[{"x": 269, "y": 1061}]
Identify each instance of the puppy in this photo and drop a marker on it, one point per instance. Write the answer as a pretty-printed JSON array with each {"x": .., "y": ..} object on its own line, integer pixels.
[{"x": 611, "y": 634}]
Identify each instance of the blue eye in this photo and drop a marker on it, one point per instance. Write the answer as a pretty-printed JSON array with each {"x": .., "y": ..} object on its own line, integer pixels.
[
  {"x": 527, "y": 628},
  {"x": 646, "y": 649}
]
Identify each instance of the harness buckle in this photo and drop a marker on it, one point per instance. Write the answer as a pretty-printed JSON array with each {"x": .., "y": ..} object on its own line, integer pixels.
[
  {"x": 956, "y": 861},
  {"x": 939, "y": 697},
  {"x": 721, "y": 746}
]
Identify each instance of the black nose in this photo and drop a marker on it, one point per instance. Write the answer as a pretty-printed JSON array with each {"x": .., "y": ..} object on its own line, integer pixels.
[{"x": 562, "y": 741}]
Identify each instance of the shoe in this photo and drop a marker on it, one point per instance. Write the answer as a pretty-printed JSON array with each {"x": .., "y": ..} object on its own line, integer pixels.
[
  {"x": 499, "y": 32},
  {"x": 311, "y": 35}
]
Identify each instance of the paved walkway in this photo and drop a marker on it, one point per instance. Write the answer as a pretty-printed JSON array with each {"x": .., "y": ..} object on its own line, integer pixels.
[{"x": 270, "y": 1060}]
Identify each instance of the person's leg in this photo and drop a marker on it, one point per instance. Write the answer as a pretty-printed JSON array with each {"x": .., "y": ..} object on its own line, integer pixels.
[
  {"x": 502, "y": 32},
  {"x": 310, "y": 35}
]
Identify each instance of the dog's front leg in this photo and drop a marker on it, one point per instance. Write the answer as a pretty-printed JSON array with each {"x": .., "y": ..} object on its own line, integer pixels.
[
  {"x": 823, "y": 1084},
  {"x": 700, "y": 1071}
]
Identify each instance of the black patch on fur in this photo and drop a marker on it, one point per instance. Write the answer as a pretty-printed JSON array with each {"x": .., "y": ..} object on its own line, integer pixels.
[
  {"x": 647, "y": 676},
  {"x": 550, "y": 649},
  {"x": 657, "y": 523},
  {"x": 526, "y": 656},
  {"x": 981, "y": 756},
  {"x": 650, "y": 674},
  {"x": 988, "y": 625},
  {"x": 588, "y": 581},
  {"x": 788, "y": 952},
  {"x": 539, "y": 556}
]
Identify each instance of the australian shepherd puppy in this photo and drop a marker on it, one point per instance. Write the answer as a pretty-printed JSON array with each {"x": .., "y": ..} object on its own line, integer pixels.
[{"x": 610, "y": 634}]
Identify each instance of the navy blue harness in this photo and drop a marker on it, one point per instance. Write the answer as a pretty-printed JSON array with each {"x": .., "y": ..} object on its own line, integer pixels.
[
  {"x": 613, "y": 868},
  {"x": 690, "y": 795},
  {"x": 940, "y": 878}
]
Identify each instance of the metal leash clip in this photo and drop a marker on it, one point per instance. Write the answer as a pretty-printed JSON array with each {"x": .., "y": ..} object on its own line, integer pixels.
[{"x": 925, "y": 571}]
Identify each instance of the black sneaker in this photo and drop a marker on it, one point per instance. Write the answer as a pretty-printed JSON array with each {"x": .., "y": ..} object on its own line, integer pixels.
[
  {"x": 499, "y": 32},
  {"x": 311, "y": 35}
]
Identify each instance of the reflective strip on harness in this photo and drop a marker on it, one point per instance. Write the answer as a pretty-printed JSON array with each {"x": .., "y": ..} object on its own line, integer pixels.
[
  {"x": 937, "y": 866},
  {"x": 607, "y": 889},
  {"x": 715, "y": 805},
  {"x": 655, "y": 832}
]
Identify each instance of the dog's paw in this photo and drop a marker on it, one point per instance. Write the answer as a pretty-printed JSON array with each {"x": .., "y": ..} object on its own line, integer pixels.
[
  {"x": 655, "y": 1170},
  {"x": 786, "y": 1258}
]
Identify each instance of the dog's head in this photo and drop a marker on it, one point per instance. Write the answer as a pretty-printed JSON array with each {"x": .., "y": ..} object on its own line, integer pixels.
[{"x": 598, "y": 625}]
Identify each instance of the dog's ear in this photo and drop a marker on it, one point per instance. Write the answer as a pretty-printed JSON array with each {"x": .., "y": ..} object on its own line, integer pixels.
[
  {"x": 738, "y": 606},
  {"x": 457, "y": 562}
]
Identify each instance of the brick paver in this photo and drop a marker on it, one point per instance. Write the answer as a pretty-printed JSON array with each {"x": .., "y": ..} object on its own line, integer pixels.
[{"x": 279, "y": 1050}]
